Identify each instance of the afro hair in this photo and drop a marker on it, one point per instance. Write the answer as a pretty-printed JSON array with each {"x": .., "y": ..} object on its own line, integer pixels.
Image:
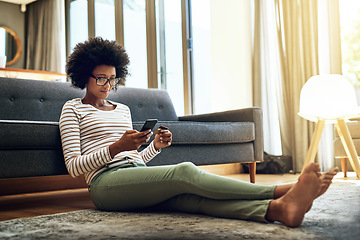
[{"x": 92, "y": 53}]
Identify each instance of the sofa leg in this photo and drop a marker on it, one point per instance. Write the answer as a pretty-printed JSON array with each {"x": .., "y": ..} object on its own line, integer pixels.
[
  {"x": 344, "y": 166},
  {"x": 252, "y": 171}
]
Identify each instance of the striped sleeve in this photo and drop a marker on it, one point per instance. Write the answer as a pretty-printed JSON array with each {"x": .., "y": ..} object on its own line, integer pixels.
[
  {"x": 76, "y": 163},
  {"x": 149, "y": 153}
]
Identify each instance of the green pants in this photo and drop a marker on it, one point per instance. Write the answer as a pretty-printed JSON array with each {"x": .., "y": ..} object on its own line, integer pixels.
[{"x": 183, "y": 187}]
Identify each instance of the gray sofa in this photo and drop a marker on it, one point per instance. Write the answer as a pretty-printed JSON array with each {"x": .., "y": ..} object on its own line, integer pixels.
[{"x": 30, "y": 141}]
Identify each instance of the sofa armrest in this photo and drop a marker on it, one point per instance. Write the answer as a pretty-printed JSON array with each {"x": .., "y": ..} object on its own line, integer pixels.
[{"x": 252, "y": 114}]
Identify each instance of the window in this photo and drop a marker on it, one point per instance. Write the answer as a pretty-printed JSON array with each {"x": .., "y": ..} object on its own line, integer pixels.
[
  {"x": 135, "y": 42},
  {"x": 191, "y": 60},
  {"x": 78, "y": 15},
  {"x": 105, "y": 19},
  {"x": 350, "y": 44},
  {"x": 222, "y": 70},
  {"x": 202, "y": 77},
  {"x": 169, "y": 51}
]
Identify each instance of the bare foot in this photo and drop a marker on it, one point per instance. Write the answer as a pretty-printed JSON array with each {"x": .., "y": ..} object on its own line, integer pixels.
[
  {"x": 326, "y": 180},
  {"x": 290, "y": 209}
]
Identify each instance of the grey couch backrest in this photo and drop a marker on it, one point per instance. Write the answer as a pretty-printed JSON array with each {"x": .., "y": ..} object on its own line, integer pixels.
[
  {"x": 43, "y": 100},
  {"x": 146, "y": 103}
]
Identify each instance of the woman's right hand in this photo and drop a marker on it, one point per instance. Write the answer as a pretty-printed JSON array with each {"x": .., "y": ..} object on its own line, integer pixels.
[{"x": 131, "y": 140}]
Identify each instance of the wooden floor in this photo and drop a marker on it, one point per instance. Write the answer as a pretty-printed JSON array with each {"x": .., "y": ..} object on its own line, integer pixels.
[{"x": 36, "y": 204}]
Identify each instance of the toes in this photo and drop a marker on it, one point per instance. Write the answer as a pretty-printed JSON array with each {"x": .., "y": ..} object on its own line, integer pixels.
[
  {"x": 312, "y": 167},
  {"x": 327, "y": 182},
  {"x": 317, "y": 167},
  {"x": 329, "y": 175},
  {"x": 334, "y": 171}
]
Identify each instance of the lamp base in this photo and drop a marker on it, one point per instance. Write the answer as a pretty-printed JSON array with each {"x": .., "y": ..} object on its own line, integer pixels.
[{"x": 345, "y": 139}]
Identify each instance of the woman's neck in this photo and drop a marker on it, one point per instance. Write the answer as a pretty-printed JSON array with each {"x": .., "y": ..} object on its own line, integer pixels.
[{"x": 96, "y": 102}]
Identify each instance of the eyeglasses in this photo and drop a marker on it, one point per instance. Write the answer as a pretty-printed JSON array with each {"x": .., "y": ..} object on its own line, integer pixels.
[{"x": 101, "y": 81}]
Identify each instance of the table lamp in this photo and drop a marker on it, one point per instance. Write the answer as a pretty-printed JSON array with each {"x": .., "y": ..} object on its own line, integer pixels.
[{"x": 330, "y": 98}]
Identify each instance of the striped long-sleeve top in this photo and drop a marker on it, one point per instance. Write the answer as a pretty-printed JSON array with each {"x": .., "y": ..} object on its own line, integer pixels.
[{"x": 86, "y": 134}]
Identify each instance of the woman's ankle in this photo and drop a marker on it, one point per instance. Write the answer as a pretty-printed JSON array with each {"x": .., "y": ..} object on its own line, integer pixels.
[{"x": 281, "y": 190}]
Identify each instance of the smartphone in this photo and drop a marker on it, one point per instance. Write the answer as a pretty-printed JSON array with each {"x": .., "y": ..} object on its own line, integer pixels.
[{"x": 149, "y": 124}]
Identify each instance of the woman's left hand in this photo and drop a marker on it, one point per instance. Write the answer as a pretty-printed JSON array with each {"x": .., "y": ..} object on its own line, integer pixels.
[{"x": 163, "y": 139}]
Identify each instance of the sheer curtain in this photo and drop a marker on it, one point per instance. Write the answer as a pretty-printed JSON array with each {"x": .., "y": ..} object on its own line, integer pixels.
[
  {"x": 286, "y": 54},
  {"x": 44, "y": 25},
  {"x": 267, "y": 74},
  {"x": 298, "y": 45}
]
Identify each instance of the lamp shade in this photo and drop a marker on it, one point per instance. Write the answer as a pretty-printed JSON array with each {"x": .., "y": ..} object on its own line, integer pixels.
[{"x": 328, "y": 97}]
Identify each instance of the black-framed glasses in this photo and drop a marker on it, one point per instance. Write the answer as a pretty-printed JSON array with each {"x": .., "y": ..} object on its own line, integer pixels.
[{"x": 101, "y": 81}]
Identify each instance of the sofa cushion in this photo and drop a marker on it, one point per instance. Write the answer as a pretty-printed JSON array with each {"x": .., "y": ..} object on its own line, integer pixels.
[
  {"x": 29, "y": 134},
  {"x": 339, "y": 150},
  {"x": 205, "y": 154},
  {"x": 354, "y": 129},
  {"x": 187, "y": 132}
]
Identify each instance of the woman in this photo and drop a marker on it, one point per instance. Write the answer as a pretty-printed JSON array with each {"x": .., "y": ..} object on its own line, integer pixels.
[{"x": 99, "y": 142}]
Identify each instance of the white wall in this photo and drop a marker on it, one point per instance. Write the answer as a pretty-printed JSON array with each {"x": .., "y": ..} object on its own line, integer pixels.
[{"x": 231, "y": 54}]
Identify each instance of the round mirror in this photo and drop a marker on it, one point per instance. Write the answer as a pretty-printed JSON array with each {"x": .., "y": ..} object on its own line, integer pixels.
[{"x": 10, "y": 45}]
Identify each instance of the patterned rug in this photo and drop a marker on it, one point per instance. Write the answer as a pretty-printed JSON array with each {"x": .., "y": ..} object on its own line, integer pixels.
[{"x": 335, "y": 215}]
